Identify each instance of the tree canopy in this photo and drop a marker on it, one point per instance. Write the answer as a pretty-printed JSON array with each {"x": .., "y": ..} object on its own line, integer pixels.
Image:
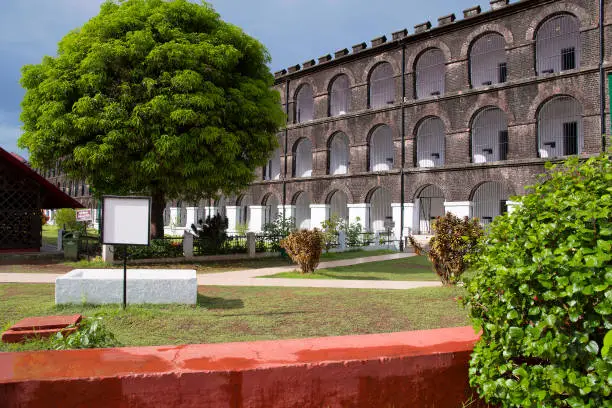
[{"x": 156, "y": 97}]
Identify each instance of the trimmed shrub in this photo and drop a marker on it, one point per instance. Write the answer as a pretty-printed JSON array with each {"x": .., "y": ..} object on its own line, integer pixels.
[
  {"x": 304, "y": 247},
  {"x": 453, "y": 239},
  {"x": 67, "y": 217},
  {"x": 542, "y": 294}
]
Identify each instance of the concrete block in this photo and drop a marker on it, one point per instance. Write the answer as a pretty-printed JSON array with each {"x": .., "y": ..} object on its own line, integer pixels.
[{"x": 104, "y": 286}]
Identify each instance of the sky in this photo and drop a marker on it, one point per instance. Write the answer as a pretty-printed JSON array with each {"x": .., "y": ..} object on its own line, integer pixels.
[{"x": 294, "y": 31}]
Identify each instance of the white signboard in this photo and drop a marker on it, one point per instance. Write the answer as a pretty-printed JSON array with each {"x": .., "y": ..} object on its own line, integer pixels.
[
  {"x": 83, "y": 215},
  {"x": 126, "y": 220}
]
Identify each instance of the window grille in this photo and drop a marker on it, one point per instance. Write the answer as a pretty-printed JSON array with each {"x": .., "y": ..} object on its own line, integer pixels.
[
  {"x": 339, "y": 96},
  {"x": 382, "y": 86},
  {"x": 304, "y": 107},
  {"x": 558, "y": 45},
  {"x": 489, "y": 136},
  {"x": 302, "y": 211},
  {"x": 339, "y": 154},
  {"x": 488, "y": 60},
  {"x": 430, "y": 74},
  {"x": 303, "y": 159},
  {"x": 430, "y": 143},
  {"x": 381, "y": 149},
  {"x": 560, "y": 131},
  {"x": 338, "y": 205},
  {"x": 490, "y": 200},
  {"x": 380, "y": 209},
  {"x": 430, "y": 205},
  {"x": 272, "y": 170}
]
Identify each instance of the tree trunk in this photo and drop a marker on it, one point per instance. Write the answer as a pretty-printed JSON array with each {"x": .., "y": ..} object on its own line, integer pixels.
[{"x": 158, "y": 204}]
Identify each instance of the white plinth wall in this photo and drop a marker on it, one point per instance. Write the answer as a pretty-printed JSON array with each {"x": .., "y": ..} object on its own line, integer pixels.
[
  {"x": 256, "y": 221},
  {"x": 459, "y": 208},
  {"x": 104, "y": 286},
  {"x": 397, "y": 219},
  {"x": 319, "y": 213},
  {"x": 359, "y": 213},
  {"x": 232, "y": 213}
]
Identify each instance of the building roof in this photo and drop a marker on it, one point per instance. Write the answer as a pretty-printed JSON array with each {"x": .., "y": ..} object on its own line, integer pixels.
[{"x": 52, "y": 197}]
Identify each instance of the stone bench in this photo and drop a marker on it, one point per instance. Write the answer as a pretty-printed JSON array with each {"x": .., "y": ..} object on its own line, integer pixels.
[{"x": 103, "y": 286}]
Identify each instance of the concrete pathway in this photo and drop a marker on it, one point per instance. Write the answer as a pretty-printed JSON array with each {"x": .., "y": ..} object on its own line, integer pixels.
[{"x": 249, "y": 277}]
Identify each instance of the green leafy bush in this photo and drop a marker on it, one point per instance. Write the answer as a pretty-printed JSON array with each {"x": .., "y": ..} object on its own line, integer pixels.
[
  {"x": 542, "y": 294},
  {"x": 331, "y": 228},
  {"x": 354, "y": 236},
  {"x": 454, "y": 238},
  {"x": 304, "y": 248},
  {"x": 211, "y": 233},
  {"x": 159, "y": 248},
  {"x": 66, "y": 217},
  {"x": 91, "y": 333},
  {"x": 279, "y": 227}
]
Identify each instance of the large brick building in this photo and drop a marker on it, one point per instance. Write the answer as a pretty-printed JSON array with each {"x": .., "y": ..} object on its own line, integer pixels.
[{"x": 458, "y": 117}]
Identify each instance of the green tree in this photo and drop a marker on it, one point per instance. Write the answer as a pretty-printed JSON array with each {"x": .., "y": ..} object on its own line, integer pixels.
[
  {"x": 542, "y": 294},
  {"x": 153, "y": 97}
]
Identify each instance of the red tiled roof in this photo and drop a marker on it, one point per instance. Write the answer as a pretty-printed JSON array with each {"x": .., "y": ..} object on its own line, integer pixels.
[{"x": 52, "y": 196}]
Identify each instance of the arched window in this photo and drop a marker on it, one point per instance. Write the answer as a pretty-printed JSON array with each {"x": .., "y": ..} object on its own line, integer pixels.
[
  {"x": 430, "y": 74},
  {"x": 489, "y": 136},
  {"x": 382, "y": 87},
  {"x": 271, "y": 208},
  {"x": 381, "y": 149},
  {"x": 430, "y": 143},
  {"x": 302, "y": 211},
  {"x": 380, "y": 209},
  {"x": 558, "y": 45},
  {"x": 490, "y": 200},
  {"x": 304, "y": 104},
  {"x": 429, "y": 204},
  {"x": 560, "y": 130},
  {"x": 244, "y": 213},
  {"x": 338, "y": 205},
  {"x": 339, "y": 154},
  {"x": 488, "y": 60},
  {"x": 302, "y": 156},
  {"x": 272, "y": 170},
  {"x": 339, "y": 96}
]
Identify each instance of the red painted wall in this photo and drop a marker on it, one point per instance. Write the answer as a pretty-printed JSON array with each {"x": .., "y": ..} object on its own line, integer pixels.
[{"x": 418, "y": 369}]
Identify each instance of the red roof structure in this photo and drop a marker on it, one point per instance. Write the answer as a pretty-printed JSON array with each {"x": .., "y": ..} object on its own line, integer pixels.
[
  {"x": 53, "y": 197},
  {"x": 23, "y": 195}
]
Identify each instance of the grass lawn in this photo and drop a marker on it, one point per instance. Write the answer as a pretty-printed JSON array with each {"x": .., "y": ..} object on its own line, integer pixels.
[
  {"x": 49, "y": 234},
  {"x": 200, "y": 267},
  {"x": 416, "y": 268},
  {"x": 226, "y": 314}
]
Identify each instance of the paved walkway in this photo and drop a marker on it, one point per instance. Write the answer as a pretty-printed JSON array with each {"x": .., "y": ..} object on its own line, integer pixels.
[{"x": 248, "y": 277}]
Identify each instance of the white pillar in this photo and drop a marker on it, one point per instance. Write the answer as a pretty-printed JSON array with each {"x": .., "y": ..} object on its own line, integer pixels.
[
  {"x": 512, "y": 205},
  {"x": 459, "y": 208},
  {"x": 256, "y": 221},
  {"x": 175, "y": 213},
  {"x": 319, "y": 213},
  {"x": 289, "y": 210},
  {"x": 94, "y": 214},
  {"x": 108, "y": 255},
  {"x": 232, "y": 213},
  {"x": 191, "y": 217},
  {"x": 359, "y": 213},
  {"x": 397, "y": 214}
]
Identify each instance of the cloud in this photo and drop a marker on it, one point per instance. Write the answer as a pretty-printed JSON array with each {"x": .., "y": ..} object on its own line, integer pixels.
[{"x": 8, "y": 137}]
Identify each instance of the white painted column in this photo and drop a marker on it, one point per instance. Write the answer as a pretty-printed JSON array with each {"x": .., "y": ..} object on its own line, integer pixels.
[
  {"x": 175, "y": 213},
  {"x": 289, "y": 210},
  {"x": 95, "y": 223},
  {"x": 319, "y": 213},
  {"x": 397, "y": 214},
  {"x": 232, "y": 213},
  {"x": 360, "y": 213},
  {"x": 256, "y": 221},
  {"x": 512, "y": 206},
  {"x": 210, "y": 211},
  {"x": 191, "y": 217},
  {"x": 459, "y": 208}
]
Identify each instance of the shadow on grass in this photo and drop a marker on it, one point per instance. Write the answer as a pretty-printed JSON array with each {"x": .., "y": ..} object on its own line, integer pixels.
[
  {"x": 300, "y": 312},
  {"x": 219, "y": 303}
]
